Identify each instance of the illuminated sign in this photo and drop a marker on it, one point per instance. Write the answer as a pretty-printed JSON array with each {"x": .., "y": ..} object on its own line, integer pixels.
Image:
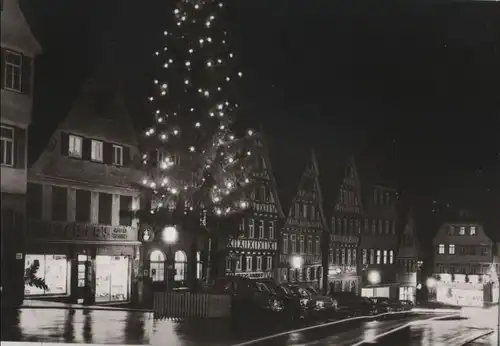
[{"x": 49, "y": 230}]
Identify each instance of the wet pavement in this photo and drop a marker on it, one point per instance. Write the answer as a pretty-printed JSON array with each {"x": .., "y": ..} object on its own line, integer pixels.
[{"x": 446, "y": 333}]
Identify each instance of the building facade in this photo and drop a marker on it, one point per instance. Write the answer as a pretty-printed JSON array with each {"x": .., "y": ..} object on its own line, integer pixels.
[
  {"x": 18, "y": 50},
  {"x": 252, "y": 249},
  {"x": 81, "y": 190},
  {"x": 407, "y": 257},
  {"x": 379, "y": 241},
  {"x": 303, "y": 232},
  {"x": 345, "y": 223},
  {"x": 464, "y": 270}
]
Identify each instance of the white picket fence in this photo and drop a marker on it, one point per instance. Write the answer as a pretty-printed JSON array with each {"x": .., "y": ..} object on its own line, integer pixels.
[{"x": 191, "y": 305}]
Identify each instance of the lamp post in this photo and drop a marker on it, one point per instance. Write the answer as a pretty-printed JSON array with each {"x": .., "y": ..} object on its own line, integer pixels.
[{"x": 169, "y": 236}]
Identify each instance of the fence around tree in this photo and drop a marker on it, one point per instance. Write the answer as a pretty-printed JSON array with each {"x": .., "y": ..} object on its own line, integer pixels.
[{"x": 191, "y": 305}]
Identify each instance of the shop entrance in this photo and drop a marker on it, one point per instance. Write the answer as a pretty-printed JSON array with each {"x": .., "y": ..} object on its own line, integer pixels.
[{"x": 112, "y": 279}]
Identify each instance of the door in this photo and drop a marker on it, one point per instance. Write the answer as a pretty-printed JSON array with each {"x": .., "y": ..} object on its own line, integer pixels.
[{"x": 112, "y": 278}]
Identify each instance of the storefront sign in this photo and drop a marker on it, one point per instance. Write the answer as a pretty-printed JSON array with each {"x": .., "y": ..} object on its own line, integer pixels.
[
  {"x": 253, "y": 244},
  {"x": 80, "y": 231}
]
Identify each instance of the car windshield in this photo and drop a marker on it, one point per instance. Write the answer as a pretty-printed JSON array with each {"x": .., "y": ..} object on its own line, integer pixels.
[
  {"x": 262, "y": 287},
  {"x": 312, "y": 291}
]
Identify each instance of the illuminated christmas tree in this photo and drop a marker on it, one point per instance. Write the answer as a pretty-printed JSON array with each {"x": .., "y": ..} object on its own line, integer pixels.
[{"x": 194, "y": 162}]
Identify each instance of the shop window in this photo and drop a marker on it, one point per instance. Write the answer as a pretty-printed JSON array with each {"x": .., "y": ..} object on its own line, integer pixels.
[
  {"x": 59, "y": 203},
  {"x": 82, "y": 206},
  {"x": 157, "y": 266},
  {"x": 378, "y": 256},
  {"x": 105, "y": 207},
  {"x": 180, "y": 266},
  {"x": 53, "y": 269},
  {"x": 112, "y": 278}
]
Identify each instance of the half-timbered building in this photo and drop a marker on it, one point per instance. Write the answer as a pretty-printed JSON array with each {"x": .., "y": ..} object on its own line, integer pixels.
[
  {"x": 305, "y": 225},
  {"x": 407, "y": 261},
  {"x": 253, "y": 250},
  {"x": 346, "y": 219}
]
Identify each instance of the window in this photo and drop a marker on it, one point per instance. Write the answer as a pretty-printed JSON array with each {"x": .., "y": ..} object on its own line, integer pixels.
[
  {"x": 309, "y": 245},
  {"x": 473, "y": 230},
  {"x": 53, "y": 269},
  {"x": 337, "y": 256},
  {"x": 378, "y": 256},
  {"x": 82, "y": 206},
  {"x": 105, "y": 207},
  {"x": 304, "y": 210},
  {"x": 7, "y": 146},
  {"x": 301, "y": 244},
  {"x": 285, "y": 243},
  {"x": 385, "y": 256},
  {"x": 157, "y": 266},
  {"x": 441, "y": 249},
  {"x": 462, "y": 231},
  {"x": 387, "y": 227},
  {"x": 259, "y": 263},
  {"x": 451, "y": 249},
  {"x": 251, "y": 228},
  {"x": 96, "y": 153},
  {"x": 372, "y": 256},
  {"x": 391, "y": 256},
  {"x": 261, "y": 229},
  {"x": 75, "y": 146},
  {"x": 342, "y": 257},
  {"x": 34, "y": 201},
  {"x": 59, "y": 203},
  {"x": 199, "y": 266},
  {"x": 318, "y": 245},
  {"x": 249, "y": 264},
  {"x": 180, "y": 266},
  {"x": 354, "y": 257},
  {"x": 238, "y": 263},
  {"x": 365, "y": 256},
  {"x": 117, "y": 155},
  {"x": 242, "y": 228},
  {"x": 125, "y": 210},
  {"x": 269, "y": 264},
  {"x": 271, "y": 229},
  {"x": 294, "y": 243},
  {"x": 13, "y": 71},
  {"x": 330, "y": 256},
  {"x": 348, "y": 257}
]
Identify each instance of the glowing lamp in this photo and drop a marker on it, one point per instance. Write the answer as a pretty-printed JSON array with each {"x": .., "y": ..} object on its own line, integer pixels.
[
  {"x": 374, "y": 277},
  {"x": 431, "y": 282},
  {"x": 169, "y": 234},
  {"x": 297, "y": 262}
]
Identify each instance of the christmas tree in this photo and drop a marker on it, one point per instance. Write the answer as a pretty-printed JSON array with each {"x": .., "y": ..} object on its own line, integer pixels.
[{"x": 195, "y": 163}]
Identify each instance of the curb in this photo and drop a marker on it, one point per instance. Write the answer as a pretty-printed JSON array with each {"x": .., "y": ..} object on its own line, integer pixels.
[{"x": 71, "y": 307}]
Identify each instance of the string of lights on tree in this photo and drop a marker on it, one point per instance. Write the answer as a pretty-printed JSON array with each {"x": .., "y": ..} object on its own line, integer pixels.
[{"x": 191, "y": 154}]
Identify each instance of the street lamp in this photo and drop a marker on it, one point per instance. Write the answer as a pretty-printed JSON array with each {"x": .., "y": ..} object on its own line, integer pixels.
[
  {"x": 374, "y": 277},
  {"x": 297, "y": 262},
  {"x": 169, "y": 235}
]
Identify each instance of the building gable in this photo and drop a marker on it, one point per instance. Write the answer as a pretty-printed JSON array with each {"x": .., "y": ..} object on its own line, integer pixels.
[{"x": 349, "y": 199}]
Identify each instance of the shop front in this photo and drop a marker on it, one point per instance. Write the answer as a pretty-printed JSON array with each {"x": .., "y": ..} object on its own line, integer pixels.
[
  {"x": 83, "y": 263},
  {"x": 343, "y": 278}
]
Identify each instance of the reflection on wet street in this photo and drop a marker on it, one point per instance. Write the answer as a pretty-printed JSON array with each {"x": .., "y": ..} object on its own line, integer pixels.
[
  {"x": 445, "y": 333},
  {"x": 77, "y": 326}
]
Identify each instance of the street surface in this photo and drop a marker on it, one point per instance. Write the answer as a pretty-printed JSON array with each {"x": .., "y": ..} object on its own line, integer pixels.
[{"x": 132, "y": 327}]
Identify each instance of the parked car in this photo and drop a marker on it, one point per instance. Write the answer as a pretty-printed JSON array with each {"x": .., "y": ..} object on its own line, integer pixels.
[
  {"x": 407, "y": 305},
  {"x": 349, "y": 304},
  {"x": 314, "y": 303},
  {"x": 390, "y": 305},
  {"x": 291, "y": 299},
  {"x": 248, "y": 295}
]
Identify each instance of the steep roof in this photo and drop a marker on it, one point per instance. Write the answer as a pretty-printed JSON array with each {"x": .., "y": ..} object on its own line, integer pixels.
[{"x": 15, "y": 31}]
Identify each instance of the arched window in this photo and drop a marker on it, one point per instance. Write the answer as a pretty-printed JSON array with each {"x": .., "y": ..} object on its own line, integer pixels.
[
  {"x": 157, "y": 266},
  {"x": 180, "y": 266},
  {"x": 199, "y": 267}
]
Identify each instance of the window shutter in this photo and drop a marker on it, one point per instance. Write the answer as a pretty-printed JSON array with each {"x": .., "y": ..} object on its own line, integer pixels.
[
  {"x": 126, "y": 156},
  {"x": 86, "y": 148},
  {"x": 64, "y": 143},
  {"x": 3, "y": 68},
  {"x": 26, "y": 75},
  {"x": 19, "y": 148},
  {"x": 107, "y": 153}
]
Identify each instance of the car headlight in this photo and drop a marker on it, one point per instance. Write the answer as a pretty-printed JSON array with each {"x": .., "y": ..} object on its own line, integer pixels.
[
  {"x": 303, "y": 302},
  {"x": 320, "y": 304}
]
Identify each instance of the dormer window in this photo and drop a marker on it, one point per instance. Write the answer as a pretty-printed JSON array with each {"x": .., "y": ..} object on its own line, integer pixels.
[
  {"x": 75, "y": 146},
  {"x": 117, "y": 155},
  {"x": 13, "y": 71},
  {"x": 462, "y": 230},
  {"x": 96, "y": 153},
  {"x": 473, "y": 230}
]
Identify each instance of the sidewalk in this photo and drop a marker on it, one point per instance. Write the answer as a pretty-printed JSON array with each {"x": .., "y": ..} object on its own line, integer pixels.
[{"x": 43, "y": 304}]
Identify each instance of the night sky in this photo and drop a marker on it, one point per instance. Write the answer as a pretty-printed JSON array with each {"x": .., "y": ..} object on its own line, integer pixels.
[{"x": 414, "y": 88}]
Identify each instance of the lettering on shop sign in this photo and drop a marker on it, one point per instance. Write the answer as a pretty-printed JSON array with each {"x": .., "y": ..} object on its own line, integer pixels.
[
  {"x": 253, "y": 244},
  {"x": 80, "y": 231},
  {"x": 345, "y": 239}
]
